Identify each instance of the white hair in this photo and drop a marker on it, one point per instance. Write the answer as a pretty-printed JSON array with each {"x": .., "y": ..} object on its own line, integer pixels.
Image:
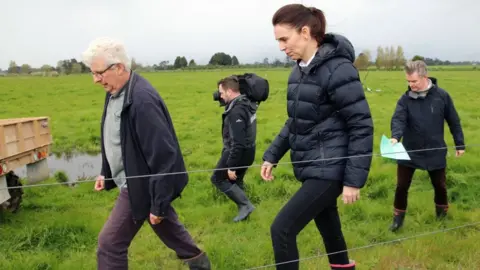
[{"x": 111, "y": 50}]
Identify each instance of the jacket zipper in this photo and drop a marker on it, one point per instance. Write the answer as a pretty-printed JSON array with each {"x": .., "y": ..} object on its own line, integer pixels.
[{"x": 295, "y": 106}]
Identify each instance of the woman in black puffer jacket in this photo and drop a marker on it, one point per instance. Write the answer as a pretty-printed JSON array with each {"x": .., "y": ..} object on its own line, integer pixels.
[{"x": 329, "y": 120}]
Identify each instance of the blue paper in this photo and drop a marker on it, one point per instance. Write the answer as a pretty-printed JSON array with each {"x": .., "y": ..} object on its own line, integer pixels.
[{"x": 395, "y": 151}]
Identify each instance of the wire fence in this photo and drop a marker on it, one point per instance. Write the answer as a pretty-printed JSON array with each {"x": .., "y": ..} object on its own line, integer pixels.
[{"x": 152, "y": 176}]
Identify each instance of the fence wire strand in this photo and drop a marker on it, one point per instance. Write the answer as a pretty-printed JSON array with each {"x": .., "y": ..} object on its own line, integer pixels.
[
  {"x": 371, "y": 245},
  {"x": 242, "y": 167}
]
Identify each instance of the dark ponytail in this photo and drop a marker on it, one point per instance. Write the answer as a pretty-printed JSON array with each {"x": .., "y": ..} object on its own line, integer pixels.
[
  {"x": 298, "y": 16},
  {"x": 319, "y": 30}
]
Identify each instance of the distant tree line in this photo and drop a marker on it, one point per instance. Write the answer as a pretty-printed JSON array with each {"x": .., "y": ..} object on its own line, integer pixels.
[
  {"x": 388, "y": 58},
  {"x": 217, "y": 60},
  {"x": 391, "y": 58}
]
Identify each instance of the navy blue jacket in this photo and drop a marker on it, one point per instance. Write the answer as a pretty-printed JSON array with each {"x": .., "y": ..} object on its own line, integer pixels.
[
  {"x": 328, "y": 118},
  {"x": 420, "y": 122},
  {"x": 149, "y": 147}
]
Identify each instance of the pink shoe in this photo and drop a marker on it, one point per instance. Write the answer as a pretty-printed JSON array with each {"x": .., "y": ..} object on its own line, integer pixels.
[{"x": 350, "y": 266}]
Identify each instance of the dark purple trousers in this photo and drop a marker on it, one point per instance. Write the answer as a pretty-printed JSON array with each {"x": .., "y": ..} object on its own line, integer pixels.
[{"x": 120, "y": 229}]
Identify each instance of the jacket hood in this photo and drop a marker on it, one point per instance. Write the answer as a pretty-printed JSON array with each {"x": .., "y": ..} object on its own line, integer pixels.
[
  {"x": 334, "y": 45},
  {"x": 241, "y": 100}
]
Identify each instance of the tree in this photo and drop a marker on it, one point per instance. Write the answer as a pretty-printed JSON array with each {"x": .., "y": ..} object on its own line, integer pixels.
[
  {"x": 221, "y": 59},
  {"x": 180, "y": 62},
  {"x": 25, "y": 69},
  {"x": 183, "y": 62},
  {"x": 192, "y": 63},
  {"x": 177, "y": 63},
  {"x": 380, "y": 60},
  {"x": 235, "y": 61},
  {"x": 368, "y": 56},
  {"x": 12, "y": 67},
  {"x": 277, "y": 63},
  {"x": 362, "y": 62},
  {"x": 400, "y": 57},
  {"x": 46, "y": 68},
  {"x": 418, "y": 57},
  {"x": 390, "y": 58},
  {"x": 76, "y": 68},
  {"x": 61, "y": 66}
]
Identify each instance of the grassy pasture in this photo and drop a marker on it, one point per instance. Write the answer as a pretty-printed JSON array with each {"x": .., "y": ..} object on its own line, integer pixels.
[{"x": 57, "y": 226}]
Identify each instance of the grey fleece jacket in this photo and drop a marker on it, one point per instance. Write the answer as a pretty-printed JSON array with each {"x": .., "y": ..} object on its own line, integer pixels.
[{"x": 113, "y": 149}]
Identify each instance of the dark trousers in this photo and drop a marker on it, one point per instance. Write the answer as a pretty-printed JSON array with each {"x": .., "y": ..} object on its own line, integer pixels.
[
  {"x": 120, "y": 229},
  {"x": 404, "y": 180},
  {"x": 315, "y": 200},
  {"x": 219, "y": 176}
]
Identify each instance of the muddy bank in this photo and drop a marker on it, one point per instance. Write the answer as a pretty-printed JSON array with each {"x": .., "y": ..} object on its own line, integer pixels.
[{"x": 76, "y": 166}]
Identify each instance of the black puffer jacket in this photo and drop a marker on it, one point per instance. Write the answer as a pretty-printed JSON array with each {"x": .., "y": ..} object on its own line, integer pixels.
[
  {"x": 328, "y": 118},
  {"x": 420, "y": 122}
]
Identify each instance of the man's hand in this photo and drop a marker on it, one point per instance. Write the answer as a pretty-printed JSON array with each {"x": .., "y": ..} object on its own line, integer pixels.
[
  {"x": 266, "y": 171},
  {"x": 350, "y": 194},
  {"x": 154, "y": 219},
  {"x": 459, "y": 153},
  {"x": 100, "y": 183},
  {"x": 232, "y": 175},
  {"x": 393, "y": 141}
]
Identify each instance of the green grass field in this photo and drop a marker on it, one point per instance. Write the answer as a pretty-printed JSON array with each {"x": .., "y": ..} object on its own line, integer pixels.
[{"x": 57, "y": 227}]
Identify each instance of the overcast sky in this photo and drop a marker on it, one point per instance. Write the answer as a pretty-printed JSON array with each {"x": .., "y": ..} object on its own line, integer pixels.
[{"x": 43, "y": 32}]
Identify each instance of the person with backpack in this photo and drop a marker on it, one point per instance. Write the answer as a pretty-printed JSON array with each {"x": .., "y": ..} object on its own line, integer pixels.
[
  {"x": 239, "y": 130},
  {"x": 329, "y": 132}
]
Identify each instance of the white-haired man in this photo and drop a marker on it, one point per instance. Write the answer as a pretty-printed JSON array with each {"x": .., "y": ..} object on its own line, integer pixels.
[{"x": 137, "y": 139}]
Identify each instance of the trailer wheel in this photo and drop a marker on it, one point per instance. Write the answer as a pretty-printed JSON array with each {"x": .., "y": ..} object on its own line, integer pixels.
[{"x": 16, "y": 194}]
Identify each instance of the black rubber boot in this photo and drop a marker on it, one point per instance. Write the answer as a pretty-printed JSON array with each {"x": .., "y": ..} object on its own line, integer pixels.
[
  {"x": 199, "y": 263},
  {"x": 350, "y": 266},
  {"x": 241, "y": 186},
  {"x": 398, "y": 218},
  {"x": 245, "y": 207},
  {"x": 441, "y": 211}
]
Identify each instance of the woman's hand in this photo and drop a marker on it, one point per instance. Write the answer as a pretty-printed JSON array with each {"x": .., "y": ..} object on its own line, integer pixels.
[
  {"x": 266, "y": 171},
  {"x": 350, "y": 194}
]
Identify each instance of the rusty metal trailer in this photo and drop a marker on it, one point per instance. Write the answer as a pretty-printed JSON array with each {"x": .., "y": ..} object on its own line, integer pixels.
[{"x": 23, "y": 142}]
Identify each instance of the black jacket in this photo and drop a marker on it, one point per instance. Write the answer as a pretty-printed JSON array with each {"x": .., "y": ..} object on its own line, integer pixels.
[
  {"x": 328, "y": 118},
  {"x": 149, "y": 146},
  {"x": 420, "y": 122},
  {"x": 239, "y": 130}
]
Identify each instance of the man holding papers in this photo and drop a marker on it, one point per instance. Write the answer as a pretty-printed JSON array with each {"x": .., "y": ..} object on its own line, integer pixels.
[{"x": 419, "y": 119}]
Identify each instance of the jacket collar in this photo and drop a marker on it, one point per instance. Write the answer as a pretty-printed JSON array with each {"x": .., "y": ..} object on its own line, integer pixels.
[
  {"x": 423, "y": 94},
  {"x": 129, "y": 89},
  {"x": 235, "y": 100}
]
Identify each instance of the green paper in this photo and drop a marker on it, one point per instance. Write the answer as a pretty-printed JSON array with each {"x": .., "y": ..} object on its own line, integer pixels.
[{"x": 396, "y": 151}]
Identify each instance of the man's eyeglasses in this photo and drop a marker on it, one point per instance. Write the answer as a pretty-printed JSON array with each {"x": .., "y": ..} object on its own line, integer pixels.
[{"x": 100, "y": 73}]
